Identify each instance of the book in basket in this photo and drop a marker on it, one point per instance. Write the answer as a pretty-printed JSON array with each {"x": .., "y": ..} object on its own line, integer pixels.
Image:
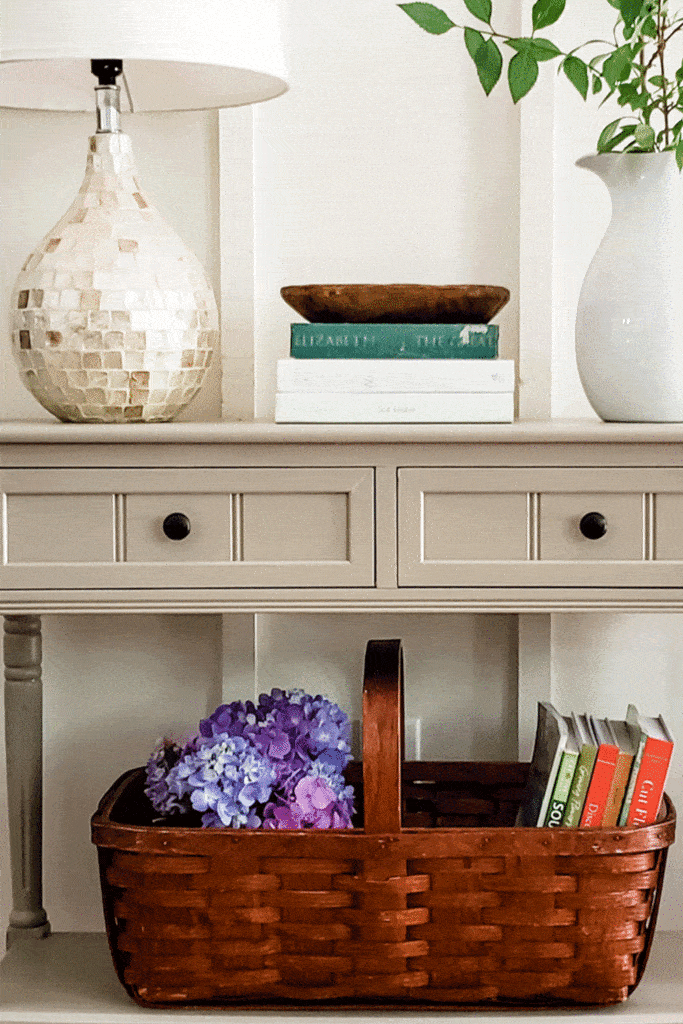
[
  {"x": 584, "y": 771},
  {"x": 606, "y": 757},
  {"x": 552, "y": 736},
  {"x": 649, "y": 770},
  {"x": 626, "y": 739}
]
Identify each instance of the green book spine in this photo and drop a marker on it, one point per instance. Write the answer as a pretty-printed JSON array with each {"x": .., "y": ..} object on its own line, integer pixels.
[
  {"x": 579, "y": 787},
  {"x": 394, "y": 341},
  {"x": 563, "y": 783}
]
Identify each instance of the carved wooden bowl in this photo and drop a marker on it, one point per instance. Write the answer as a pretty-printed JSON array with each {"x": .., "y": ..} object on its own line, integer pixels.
[{"x": 396, "y": 303}]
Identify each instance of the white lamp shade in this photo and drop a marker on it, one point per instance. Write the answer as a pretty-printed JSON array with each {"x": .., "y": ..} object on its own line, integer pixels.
[{"x": 177, "y": 54}]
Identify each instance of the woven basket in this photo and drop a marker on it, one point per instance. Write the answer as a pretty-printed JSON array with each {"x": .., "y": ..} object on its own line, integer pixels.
[{"x": 454, "y": 907}]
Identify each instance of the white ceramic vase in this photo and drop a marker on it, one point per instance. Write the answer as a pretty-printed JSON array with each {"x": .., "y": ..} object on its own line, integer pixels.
[{"x": 629, "y": 325}]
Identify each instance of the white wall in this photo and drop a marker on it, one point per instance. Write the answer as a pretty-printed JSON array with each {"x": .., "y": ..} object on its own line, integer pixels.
[{"x": 384, "y": 162}]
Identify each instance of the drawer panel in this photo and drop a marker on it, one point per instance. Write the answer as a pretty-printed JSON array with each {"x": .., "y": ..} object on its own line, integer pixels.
[
  {"x": 452, "y": 526},
  {"x": 522, "y": 527},
  {"x": 289, "y": 527},
  {"x": 40, "y": 528},
  {"x": 668, "y": 513},
  {"x": 251, "y": 527}
]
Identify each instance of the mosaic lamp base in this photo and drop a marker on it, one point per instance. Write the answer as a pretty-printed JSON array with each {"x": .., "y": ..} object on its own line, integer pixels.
[{"x": 113, "y": 318}]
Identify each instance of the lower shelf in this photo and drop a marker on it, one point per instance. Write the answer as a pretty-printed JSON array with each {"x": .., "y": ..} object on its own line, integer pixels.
[{"x": 69, "y": 979}]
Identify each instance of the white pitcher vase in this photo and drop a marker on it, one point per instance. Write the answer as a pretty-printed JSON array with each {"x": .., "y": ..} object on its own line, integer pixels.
[{"x": 629, "y": 325}]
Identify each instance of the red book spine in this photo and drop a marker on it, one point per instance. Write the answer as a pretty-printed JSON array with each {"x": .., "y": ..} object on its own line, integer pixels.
[
  {"x": 647, "y": 795},
  {"x": 598, "y": 789}
]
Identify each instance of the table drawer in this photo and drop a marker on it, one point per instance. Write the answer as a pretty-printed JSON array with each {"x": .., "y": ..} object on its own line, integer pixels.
[
  {"x": 252, "y": 527},
  {"x": 540, "y": 527}
]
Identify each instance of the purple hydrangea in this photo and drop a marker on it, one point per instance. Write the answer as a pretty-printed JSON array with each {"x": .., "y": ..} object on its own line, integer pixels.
[
  {"x": 225, "y": 778},
  {"x": 287, "y": 725},
  {"x": 275, "y": 764},
  {"x": 318, "y": 799},
  {"x": 162, "y": 760}
]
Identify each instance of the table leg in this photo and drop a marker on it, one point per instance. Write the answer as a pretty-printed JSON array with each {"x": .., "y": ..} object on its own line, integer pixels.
[{"x": 24, "y": 736}]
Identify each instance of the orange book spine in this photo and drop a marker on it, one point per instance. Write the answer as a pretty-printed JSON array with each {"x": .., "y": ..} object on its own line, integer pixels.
[
  {"x": 615, "y": 797},
  {"x": 647, "y": 795},
  {"x": 595, "y": 803}
]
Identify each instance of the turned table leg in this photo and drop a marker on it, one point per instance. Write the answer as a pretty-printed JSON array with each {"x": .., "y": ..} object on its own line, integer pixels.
[{"x": 24, "y": 735}]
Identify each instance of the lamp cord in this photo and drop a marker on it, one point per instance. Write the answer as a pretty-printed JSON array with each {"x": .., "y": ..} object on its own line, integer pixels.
[{"x": 130, "y": 98}]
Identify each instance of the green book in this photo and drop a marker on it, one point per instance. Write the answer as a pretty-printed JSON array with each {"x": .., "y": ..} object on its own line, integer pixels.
[
  {"x": 584, "y": 770},
  {"x": 394, "y": 341},
  {"x": 563, "y": 782}
]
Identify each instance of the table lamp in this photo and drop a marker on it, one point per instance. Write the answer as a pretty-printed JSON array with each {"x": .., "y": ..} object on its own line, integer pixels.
[{"x": 113, "y": 318}]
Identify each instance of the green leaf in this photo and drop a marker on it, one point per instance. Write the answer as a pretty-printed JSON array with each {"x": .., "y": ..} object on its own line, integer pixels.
[
  {"x": 522, "y": 75},
  {"x": 630, "y": 9},
  {"x": 679, "y": 155},
  {"x": 428, "y": 17},
  {"x": 597, "y": 85},
  {"x": 539, "y": 49},
  {"x": 576, "y": 71},
  {"x": 618, "y": 66},
  {"x": 546, "y": 12},
  {"x": 473, "y": 40},
  {"x": 480, "y": 9},
  {"x": 607, "y": 134},
  {"x": 645, "y": 137},
  {"x": 486, "y": 56},
  {"x": 631, "y": 94},
  {"x": 606, "y": 143}
]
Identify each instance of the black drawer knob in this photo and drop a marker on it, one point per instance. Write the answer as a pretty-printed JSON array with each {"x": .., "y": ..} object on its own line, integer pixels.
[
  {"x": 176, "y": 526},
  {"x": 593, "y": 525}
]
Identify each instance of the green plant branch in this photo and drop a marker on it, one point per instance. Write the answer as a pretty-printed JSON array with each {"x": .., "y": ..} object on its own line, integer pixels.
[
  {"x": 624, "y": 66},
  {"x": 660, "y": 50}
]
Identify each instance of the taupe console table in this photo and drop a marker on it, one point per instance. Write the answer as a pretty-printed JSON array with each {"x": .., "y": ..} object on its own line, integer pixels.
[{"x": 226, "y": 517}]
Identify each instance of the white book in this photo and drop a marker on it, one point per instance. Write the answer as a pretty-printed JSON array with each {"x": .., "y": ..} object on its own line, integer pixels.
[
  {"x": 403, "y": 407},
  {"x": 394, "y": 375}
]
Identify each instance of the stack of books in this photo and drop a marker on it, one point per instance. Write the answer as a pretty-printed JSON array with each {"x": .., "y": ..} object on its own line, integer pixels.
[
  {"x": 589, "y": 772},
  {"x": 394, "y": 373}
]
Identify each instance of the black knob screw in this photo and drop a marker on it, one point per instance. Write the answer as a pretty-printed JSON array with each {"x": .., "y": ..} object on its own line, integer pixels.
[
  {"x": 176, "y": 526},
  {"x": 593, "y": 525}
]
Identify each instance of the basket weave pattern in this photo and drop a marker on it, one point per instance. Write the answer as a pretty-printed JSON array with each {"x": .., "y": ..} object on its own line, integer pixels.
[{"x": 454, "y": 906}]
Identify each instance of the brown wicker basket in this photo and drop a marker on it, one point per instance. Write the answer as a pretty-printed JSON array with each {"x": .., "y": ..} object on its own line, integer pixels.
[{"x": 454, "y": 907}]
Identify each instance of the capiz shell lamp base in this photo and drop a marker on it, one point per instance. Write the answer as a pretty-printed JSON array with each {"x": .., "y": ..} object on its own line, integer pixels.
[{"x": 113, "y": 318}]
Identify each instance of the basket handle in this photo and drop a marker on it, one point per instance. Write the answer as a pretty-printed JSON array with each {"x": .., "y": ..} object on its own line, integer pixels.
[{"x": 383, "y": 745}]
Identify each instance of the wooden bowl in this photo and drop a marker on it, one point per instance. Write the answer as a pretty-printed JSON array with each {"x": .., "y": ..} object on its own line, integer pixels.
[{"x": 396, "y": 303}]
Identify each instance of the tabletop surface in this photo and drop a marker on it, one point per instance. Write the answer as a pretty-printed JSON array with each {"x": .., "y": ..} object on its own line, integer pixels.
[{"x": 226, "y": 432}]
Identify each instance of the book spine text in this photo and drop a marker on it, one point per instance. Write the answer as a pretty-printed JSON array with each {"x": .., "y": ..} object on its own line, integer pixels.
[{"x": 394, "y": 341}]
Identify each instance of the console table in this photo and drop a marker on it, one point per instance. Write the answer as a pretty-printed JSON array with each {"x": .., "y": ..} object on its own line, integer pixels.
[{"x": 228, "y": 517}]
